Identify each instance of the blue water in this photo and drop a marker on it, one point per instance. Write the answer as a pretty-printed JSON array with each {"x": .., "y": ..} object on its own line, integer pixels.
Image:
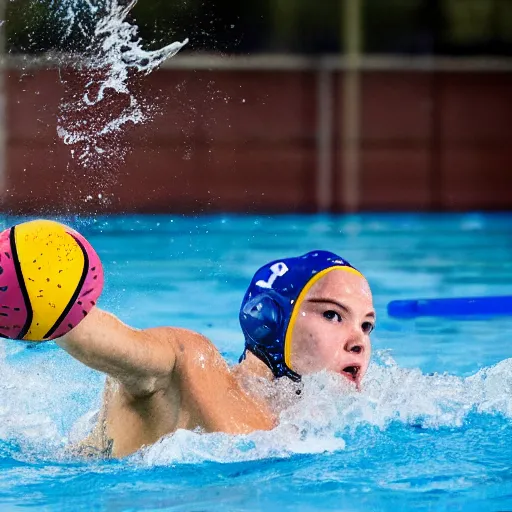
[{"x": 431, "y": 430}]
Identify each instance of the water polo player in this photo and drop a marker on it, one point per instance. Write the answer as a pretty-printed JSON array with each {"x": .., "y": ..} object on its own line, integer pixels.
[{"x": 300, "y": 315}]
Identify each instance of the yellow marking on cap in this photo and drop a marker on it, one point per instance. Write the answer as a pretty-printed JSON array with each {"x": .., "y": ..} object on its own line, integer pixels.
[
  {"x": 298, "y": 302},
  {"x": 52, "y": 264}
]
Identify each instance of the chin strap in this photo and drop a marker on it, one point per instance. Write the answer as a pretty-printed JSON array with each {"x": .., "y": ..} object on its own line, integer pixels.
[{"x": 278, "y": 369}]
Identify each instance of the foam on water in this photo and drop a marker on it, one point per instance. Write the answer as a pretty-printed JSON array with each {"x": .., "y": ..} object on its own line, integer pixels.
[
  {"x": 41, "y": 395},
  {"x": 39, "y": 403},
  {"x": 330, "y": 409}
]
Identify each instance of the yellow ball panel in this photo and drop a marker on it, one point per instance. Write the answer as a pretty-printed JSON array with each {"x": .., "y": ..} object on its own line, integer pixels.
[{"x": 52, "y": 264}]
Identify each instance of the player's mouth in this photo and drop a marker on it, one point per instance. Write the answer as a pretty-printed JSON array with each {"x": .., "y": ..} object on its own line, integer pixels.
[{"x": 352, "y": 373}]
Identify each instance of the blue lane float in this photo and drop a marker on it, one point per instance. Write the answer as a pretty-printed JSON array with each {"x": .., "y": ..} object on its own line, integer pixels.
[{"x": 464, "y": 306}]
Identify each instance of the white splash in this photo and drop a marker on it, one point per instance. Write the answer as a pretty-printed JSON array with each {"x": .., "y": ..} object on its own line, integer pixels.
[
  {"x": 90, "y": 120},
  {"x": 43, "y": 392},
  {"x": 36, "y": 405},
  {"x": 329, "y": 408}
]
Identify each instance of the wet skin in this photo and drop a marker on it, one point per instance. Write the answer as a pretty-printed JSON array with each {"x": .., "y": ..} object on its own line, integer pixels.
[
  {"x": 163, "y": 379},
  {"x": 332, "y": 331}
]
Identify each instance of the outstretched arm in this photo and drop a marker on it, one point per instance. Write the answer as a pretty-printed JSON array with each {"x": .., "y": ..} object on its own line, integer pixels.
[{"x": 142, "y": 360}]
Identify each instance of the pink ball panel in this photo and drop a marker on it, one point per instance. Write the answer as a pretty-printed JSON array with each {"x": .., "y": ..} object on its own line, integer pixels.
[{"x": 13, "y": 311}]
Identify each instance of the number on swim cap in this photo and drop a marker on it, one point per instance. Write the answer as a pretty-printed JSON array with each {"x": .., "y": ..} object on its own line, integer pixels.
[
  {"x": 278, "y": 270},
  {"x": 50, "y": 278}
]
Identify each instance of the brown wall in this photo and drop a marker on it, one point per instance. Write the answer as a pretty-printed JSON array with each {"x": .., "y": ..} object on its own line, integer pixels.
[{"x": 246, "y": 141}]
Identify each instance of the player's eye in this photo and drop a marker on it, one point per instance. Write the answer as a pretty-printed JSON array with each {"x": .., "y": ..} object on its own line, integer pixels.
[
  {"x": 367, "y": 327},
  {"x": 332, "y": 316}
]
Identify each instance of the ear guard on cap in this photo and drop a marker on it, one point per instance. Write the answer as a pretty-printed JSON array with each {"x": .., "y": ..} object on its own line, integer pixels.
[{"x": 262, "y": 319}]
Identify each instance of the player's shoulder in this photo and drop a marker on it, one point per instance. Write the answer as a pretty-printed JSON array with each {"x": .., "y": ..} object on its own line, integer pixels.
[{"x": 190, "y": 347}]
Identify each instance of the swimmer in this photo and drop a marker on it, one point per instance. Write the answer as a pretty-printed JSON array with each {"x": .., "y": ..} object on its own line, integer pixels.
[{"x": 299, "y": 316}]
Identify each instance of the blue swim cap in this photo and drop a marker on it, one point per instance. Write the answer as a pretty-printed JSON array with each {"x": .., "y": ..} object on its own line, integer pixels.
[{"x": 272, "y": 302}]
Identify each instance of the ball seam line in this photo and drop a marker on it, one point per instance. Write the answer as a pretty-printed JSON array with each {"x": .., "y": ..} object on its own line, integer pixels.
[
  {"x": 74, "y": 297},
  {"x": 21, "y": 282}
]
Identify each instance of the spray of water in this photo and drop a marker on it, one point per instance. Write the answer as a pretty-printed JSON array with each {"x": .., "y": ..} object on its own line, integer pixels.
[
  {"x": 99, "y": 101},
  {"x": 37, "y": 423},
  {"x": 329, "y": 409}
]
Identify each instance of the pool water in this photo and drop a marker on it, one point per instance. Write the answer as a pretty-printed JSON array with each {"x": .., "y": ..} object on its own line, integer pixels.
[{"x": 431, "y": 430}]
